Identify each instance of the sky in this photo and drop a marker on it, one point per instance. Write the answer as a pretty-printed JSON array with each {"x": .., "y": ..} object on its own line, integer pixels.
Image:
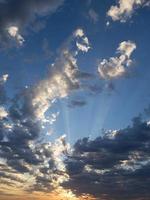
[{"x": 74, "y": 99}]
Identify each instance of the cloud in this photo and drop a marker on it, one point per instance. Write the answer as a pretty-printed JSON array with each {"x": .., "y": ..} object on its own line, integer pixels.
[
  {"x": 51, "y": 172},
  {"x": 3, "y": 113},
  {"x": 83, "y": 43},
  {"x": 23, "y": 153},
  {"x": 23, "y": 147},
  {"x": 125, "y": 9},
  {"x": 14, "y": 33},
  {"x": 4, "y": 78},
  {"x": 16, "y": 15},
  {"x": 93, "y": 15},
  {"x": 113, "y": 166},
  {"x": 64, "y": 76},
  {"x": 116, "y": 67}
]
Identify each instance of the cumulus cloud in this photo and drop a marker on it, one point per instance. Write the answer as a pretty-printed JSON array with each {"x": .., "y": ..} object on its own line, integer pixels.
[
  {"x": 22, "y": 141},
  {"x": 116, "y": 67},
  {"x": 113, "y": 166},
  {"x": 83, "y": 43},
  {"x": 14, "y": 33},
  {"x": 23, "y": 153},
  {"x": 17, "y": 15},
  {"x": 125, "y": 9},
  {"x": 4, "y": 78},
  {"x": 3, "y": 112},
  {"x": 52, "y": 172},
  {"x": 63, "y": 77}
]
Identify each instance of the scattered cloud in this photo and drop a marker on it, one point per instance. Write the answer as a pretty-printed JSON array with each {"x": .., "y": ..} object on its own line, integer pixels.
[
  {"x": 17, "y": 15},
  {"x": 83, "y": 43},
  {"x": 21, "y": 126},
  {"x": 125, "y": 9},
  {"x": 14, "y": 33},
  {"x": 3, "y": 113},
  {"x": 63, "y": 77},
  {"x": 116, "y": 67},
  {"x": 113, "y": 165},
  {"x": 4, "y": 78}
]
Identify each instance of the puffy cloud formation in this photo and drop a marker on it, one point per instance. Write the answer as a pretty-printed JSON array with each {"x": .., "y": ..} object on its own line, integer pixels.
[
  {"x": 116, "y": 67},
  {"x": 125, "y": 9},
  {"x": 4, "y": 78},
  {"x": 15, "y": 15},
  {"x": 113, "y": 166},
  {"x": 64, "y": 76},
  {"x": 22, "y": 153},
  {"x": 3, "y": 113},
  {"x": 23, "y": 150},
  {"x": 83, "y": 43},
  {"x": 14, "y": 33}
]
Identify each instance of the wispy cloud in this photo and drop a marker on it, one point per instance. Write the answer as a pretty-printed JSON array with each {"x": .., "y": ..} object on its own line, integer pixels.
[{"x": 93, "y": 15}]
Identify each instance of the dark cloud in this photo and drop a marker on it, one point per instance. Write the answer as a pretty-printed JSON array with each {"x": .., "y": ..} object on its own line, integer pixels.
[
  {"x": 113, "y": 167},
  {"x": 110, "y": 167},
  {"x": 23, "y": 13},
  {"x": 21, "y": 143},
  {"x": 17, "y": 131},
  {"x": 20, "y": 133}
]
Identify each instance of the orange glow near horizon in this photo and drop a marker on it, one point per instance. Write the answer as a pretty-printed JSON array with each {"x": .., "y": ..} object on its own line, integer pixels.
[{"x": 58, "y": 194}]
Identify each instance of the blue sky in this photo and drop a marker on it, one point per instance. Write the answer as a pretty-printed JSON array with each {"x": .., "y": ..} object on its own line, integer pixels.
[
  {"x": 77, "y": 68},
  {"x": 112, "y": 111}
]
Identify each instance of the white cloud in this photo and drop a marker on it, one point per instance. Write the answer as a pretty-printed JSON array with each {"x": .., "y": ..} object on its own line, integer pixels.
[
  {"x": 3, "y": 113},
  {"x": 13, "y": 31},
  {"x": 116, "y": 67},
  {"x": 57, "y": 85},
  {"x": 125, "y": 9},
  {"x": 107, "y": 23},
  {"x": 79, "y": 33},
  {"x": 4, "y": 78},
  {"x": 126, "y": 48},
  {"x": 62, "y": 79},
  {"x": 82, "y": 42}
]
